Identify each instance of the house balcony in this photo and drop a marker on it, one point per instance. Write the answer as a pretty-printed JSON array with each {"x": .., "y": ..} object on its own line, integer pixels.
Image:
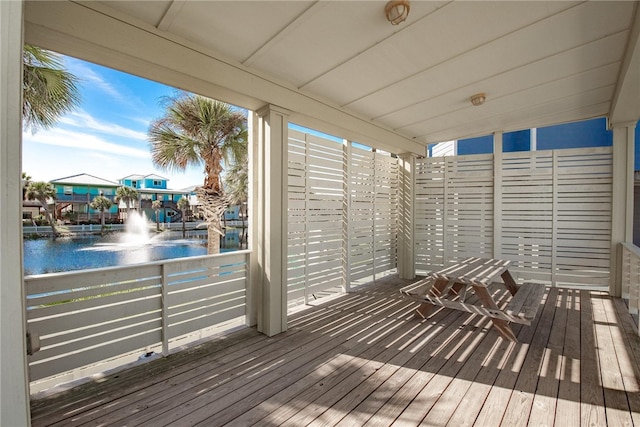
[{"x": 363, "y": 359}]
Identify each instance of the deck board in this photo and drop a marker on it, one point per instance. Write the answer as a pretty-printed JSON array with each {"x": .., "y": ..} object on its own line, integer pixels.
[
  {"x": 363, "y": 359},
  {"x": 567, "y": 407}
]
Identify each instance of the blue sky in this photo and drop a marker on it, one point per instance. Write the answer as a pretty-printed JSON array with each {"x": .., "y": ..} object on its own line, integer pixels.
[{"x": 107, "y": 135}]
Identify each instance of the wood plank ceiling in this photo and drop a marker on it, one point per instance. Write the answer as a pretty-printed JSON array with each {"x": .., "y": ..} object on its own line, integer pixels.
[{"x": 538, "y": 62}]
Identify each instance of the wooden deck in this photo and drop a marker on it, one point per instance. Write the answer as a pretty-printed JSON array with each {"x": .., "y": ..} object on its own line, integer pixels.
[{"x": 362, "y": 359}]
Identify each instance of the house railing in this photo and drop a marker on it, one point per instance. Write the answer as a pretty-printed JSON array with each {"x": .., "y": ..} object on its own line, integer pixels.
[
  {"x": 87, "y": 317},
  {"x": 631, "y": 278}
]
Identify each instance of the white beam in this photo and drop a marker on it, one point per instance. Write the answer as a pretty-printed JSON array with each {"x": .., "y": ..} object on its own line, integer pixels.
[
  {"x": 14, "y": 383},
  {"x": 88, "y": 31},
  {"x": 272, "y": 219}
]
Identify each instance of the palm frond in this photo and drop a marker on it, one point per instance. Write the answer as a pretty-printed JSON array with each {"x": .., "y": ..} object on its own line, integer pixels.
[{"x": 49, "y": 91}]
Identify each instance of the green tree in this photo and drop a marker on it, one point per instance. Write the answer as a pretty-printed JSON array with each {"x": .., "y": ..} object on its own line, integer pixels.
[
  {"x": 42, "y": 192},
  {"x": 156, "y": 205},
  {"x": 127, "y": 195},
  {"x": 102, "y": 204},
  {"x": 48, "y": 90},
  {"x": 236, "y": 184},
  {"x": 183, "y": 205},
  {"x": 197, "y": 131},
  {"x": 26, "y": 180}
]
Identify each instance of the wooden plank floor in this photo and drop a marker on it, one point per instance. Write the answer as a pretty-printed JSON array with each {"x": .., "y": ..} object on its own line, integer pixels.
[{"x": 362, "y": 359}]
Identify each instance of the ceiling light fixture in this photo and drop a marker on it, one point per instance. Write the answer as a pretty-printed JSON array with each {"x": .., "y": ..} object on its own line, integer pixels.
[
  {"x": 478, "y": 99},
  {"x": 397, "y": 11}
]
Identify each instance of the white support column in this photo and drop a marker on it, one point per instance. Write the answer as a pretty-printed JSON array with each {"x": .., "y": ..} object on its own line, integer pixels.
[
  {"x": 272, "y": 219},
  {"x": 497, "y": 195},
  {"x": 406, "y": 231},
  {"x": 14, "y": 383},
  {"x": 622, "y": 200},
  {"x": 254, "y": 275}
]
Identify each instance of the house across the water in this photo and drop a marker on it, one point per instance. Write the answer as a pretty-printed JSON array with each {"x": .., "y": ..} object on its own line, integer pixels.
[{"x": 75, "y": 193}]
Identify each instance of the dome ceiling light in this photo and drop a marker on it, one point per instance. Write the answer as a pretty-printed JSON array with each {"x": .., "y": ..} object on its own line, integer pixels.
[
  {"x": 397, "y": 11},
  {"x": 478, "y": 99}
]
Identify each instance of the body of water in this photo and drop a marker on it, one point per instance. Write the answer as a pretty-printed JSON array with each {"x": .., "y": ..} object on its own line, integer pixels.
[{"x": 84, "y": 252}]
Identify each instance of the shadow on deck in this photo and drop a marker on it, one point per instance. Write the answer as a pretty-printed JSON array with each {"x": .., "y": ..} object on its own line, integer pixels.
[{"x": 363, "y": 359}]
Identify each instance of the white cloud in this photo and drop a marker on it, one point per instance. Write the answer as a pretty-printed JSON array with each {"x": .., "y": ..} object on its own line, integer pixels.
[
  {"x": 82, "y": 119},
  {"x": 85, "y": 141},
  {"x": 87, "y": 75}
]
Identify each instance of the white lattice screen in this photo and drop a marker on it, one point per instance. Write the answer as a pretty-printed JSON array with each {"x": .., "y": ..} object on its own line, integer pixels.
[
  {"x": 342, "y": 214},
  {"x": 373, "y": 213},
  {"x": 316, "y": 209},
  {"x": 551, "y": 211}
]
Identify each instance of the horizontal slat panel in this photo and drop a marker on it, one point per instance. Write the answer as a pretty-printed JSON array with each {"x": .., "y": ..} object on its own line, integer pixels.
[
  {"x": 130, "y": 344},
  {"x": 116, "y": 316},
  {"x": 208, "y": 321}
]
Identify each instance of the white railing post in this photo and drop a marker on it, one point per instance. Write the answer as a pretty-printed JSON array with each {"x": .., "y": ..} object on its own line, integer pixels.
[{"x": 164, "y": 286}]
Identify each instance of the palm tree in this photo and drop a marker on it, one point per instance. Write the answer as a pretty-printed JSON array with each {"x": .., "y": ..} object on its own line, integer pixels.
[
  {"x": 236, "y": 184},
  {"x": 127, "y": 195},
  {"x": 102, "y": 204},
  {"x": 48, "y": 90},
  {"x": 197, "y": 131},
  {"x": 42, "y": 192},
  {"x": 156, "y": 205},
  {"x": 26, "y": 180},
  {"x": 183, "y": 205}
]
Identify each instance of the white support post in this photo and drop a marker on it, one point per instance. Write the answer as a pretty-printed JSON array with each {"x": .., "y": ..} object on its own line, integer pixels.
[
  {"x": 14, "y": 386},
  {"x": 622, "y": 200},
  {"x": 253, "y": 242},
  {"x": 272, "y": 219},
  {"x": 406, "y": 232},
  {"x": 497, "y": 195}
]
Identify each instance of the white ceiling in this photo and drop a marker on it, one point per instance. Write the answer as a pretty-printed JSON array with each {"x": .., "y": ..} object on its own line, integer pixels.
[{"x": 538, "y": 62}]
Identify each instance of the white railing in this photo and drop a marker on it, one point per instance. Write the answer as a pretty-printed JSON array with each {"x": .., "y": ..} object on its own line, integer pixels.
[
  {"x": 86, "y": 317},
  {"x": 631, "y": 278}
]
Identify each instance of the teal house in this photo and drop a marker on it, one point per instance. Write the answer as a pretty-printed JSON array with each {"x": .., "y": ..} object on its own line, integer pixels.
[
  {"x": 144, "y": 182},
  {"x": 154, "y": 187},
  {"x": 75, "y": 193}
]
